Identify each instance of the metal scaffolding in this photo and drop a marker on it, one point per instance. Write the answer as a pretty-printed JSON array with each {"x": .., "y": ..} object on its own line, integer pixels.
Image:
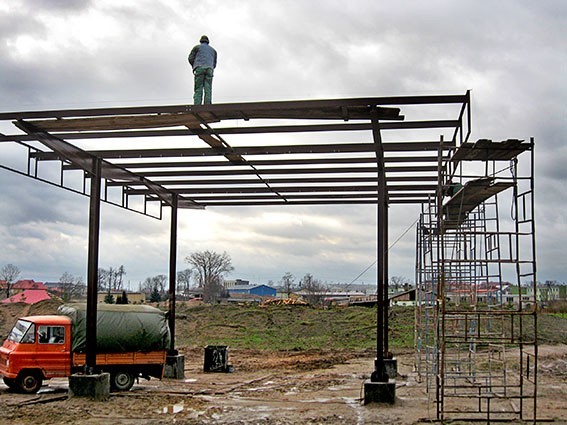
[{"x": 476, "y": 314}]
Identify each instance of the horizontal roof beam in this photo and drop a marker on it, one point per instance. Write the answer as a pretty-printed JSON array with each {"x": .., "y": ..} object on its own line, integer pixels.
[
  {"x": 312, "y": 202},
  {"x": 205, "y": 198},
  {"x": 296, "y": 189},
  {"x": 258, "y": 162},
  {"x": 404, "y": 125},
  {"x": 276, "y": 181},
  {"x": 239, "y": 107},
  {"x": 188, "y": 172},
  {"x": 260, "y": 150}
]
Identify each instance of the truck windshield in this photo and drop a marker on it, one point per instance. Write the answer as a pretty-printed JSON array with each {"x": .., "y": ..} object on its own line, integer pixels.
[{"x": 23, "y": 331}]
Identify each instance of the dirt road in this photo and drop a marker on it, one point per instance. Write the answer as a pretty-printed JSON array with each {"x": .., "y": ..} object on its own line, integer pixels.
[{"x": 265, "y": 388}]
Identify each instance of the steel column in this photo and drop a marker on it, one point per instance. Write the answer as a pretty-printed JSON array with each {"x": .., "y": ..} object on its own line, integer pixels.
[
  {"x": 172, "y": 273},
  {"x": 379, "y": 374},
  {"x": 92, "y": 272}
]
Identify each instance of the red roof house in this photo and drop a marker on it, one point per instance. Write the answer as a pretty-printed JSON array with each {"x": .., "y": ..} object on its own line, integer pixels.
[
  {"x": 24, "y": 285},
  {"x": 29, "y": 296}
]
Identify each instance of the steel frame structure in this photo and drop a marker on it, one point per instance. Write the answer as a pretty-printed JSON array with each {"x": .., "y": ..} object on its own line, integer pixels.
[
  {"x": 476, "y": 345},
  {"x": 309, "y": 152}
]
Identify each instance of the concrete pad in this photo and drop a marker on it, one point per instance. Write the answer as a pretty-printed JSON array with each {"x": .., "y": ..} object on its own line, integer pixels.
[
  {"x": 95, "y": 387},
  {"x": 379, "y": 392}
]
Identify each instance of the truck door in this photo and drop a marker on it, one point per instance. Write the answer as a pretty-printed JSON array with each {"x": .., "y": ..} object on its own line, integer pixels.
[{"x": 53, "y": 350}]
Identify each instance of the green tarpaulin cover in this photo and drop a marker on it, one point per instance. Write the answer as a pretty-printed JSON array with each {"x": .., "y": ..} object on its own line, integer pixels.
[{"x": 120, "y": 328}]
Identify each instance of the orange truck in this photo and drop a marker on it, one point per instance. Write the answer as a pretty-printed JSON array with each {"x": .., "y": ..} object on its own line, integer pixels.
[{"x": 132, "y": 342}]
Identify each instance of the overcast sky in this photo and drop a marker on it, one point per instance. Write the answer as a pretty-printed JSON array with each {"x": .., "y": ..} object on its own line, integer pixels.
[{"x": 57, "y": 54}]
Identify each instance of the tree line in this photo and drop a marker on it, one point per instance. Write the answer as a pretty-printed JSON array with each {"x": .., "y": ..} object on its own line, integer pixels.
[{"x": 206, "y": 270}]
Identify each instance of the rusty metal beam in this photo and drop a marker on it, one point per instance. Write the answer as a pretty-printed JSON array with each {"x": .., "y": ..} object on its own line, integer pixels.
[
  {"x": 191, "y": 172},
  {"x": 405, "y": 125},
  {"x": 257, "y": 150},
  {"x": 298, "y": 189},
  {"x": 240, "y": 107},
  {"x": 275, "y": 181},
  {"x": 258, "y": 163}
]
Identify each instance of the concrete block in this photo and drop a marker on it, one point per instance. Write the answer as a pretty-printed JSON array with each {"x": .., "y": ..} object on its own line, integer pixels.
[
  {"x": 380, "y": 392},
  {"x": 175, "y": 367},
  {"x": 391, "y": 367},
  {"x": 95, "y": 387}
]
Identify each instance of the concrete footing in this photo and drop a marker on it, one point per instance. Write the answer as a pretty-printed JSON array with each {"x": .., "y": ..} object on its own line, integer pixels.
[
  {"x": 95, "y": 387},
  {"x": 380, "y": 392},
  {"x": 175, "y": 367},
  {"x": 391, "y": 368}
]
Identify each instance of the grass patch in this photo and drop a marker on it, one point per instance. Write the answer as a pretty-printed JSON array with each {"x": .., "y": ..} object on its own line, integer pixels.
[
  {"x": 306, "y": 328},
  {"x": 289, "y": 327}
]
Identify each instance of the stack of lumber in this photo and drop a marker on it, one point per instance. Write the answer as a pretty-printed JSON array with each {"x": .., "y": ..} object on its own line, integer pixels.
[{"x": 284, "y": 301}]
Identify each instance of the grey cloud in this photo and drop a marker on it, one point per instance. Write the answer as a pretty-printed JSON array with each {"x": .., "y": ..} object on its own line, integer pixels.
[
  {"x": 509, "y": 53},
  {"x": 57, "y": 5}
]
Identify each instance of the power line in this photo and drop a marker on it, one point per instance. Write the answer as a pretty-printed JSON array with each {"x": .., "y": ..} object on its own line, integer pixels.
[{"x": 389, "y": 248}]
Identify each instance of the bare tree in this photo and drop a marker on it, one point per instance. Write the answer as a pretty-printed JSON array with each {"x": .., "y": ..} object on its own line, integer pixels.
[
  {"x": 396, "y": 282},
  {"x": 210, "y": 268},
  {"x": 313, "y": 289},
  {"x": 70, "y": 286},
  {"x": 154, "y": 287},
  {"x": 183, "y": 279},
  {"x": 287, "y": 283},
  {"x": 9, "y": 273},
  {"x": 111, "y": 280}
]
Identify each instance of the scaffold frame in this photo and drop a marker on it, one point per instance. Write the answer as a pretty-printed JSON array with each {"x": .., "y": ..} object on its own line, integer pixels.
[{"x": 476, "y": 313}]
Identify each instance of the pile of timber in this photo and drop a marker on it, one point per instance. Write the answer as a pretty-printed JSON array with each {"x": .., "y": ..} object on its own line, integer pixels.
[{"x": 284, "y": 301}]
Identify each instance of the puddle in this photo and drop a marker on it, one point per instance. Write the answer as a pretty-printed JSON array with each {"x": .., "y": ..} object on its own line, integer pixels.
[{"x": 345, "y": 387}]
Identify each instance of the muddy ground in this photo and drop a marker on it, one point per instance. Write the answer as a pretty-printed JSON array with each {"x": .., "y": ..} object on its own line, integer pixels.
[{"x": 266, "y": 388}]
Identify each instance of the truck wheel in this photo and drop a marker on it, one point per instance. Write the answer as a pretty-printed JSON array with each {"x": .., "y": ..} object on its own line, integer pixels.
[
  {"x": 28, "y": 382},
  {"x": 121, "y": 380}
]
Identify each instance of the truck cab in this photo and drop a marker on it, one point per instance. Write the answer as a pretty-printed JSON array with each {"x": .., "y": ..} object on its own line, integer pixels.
[{"x": 37, "y": 348}]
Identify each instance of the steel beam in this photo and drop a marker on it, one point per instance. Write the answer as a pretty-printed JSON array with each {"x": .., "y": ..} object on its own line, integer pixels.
[
  {"x": 240, "y": 107},
  {"x": 271, "y": 162},
  {"x": 297, "y": 189},
  {"x": 257, "y": 150},
  {"x": 404, "y": 125}
]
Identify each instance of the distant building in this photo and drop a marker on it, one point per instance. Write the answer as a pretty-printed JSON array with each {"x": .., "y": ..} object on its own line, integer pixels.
[
  {"x": 28, "y": 284},
  {"x": 405, "y": 298},
  {"x": 258, "y": 290},
  {"x": 133, "y": 297},
  {"x": 236, "y": 282}
]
